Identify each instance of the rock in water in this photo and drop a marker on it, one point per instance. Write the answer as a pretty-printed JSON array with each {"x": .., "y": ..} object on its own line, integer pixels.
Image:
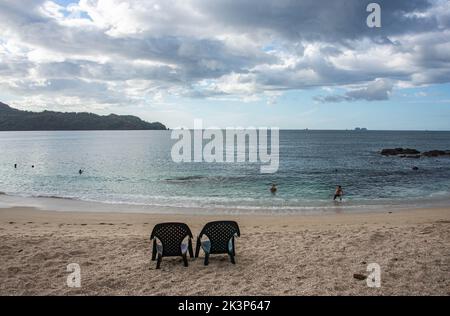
[
  {"x": 399, "y": 151},
  {"x": 436, "y": 153},
  {"x": 413, "y": 153}
]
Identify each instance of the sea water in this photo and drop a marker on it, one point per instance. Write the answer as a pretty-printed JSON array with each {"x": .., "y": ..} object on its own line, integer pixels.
[{"x": 136, "y": 168}]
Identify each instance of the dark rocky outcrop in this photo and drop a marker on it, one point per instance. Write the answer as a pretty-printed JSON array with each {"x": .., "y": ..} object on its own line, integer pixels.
[
  {"x": 17, "y": 120},
  {"x": 399, "y": 151},
  {"x": 413, "y": 153},
  {"x": 436, "y": 153}
]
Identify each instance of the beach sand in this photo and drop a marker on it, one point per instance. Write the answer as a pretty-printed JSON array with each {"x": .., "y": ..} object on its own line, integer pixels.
[{"x": 276, "y": 255}]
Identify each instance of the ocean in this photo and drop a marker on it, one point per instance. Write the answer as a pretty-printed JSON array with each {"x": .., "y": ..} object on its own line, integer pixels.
[{"x": 134, "y": 168}]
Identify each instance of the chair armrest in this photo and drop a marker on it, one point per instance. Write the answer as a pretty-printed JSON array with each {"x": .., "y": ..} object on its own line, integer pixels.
[
  {"x": 159, "y": 249},
  {"x": 184, "y": 248},
  {"x": 206, "y": 246},
  {"x": 231, "y": 246}
]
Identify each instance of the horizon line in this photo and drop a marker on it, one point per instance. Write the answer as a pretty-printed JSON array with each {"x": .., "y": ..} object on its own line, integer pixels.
[{"x": 281, "y": 129}]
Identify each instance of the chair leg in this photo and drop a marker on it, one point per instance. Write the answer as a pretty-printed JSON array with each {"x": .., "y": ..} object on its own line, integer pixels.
[
  {"x": 158, "y": 262},
  {"x": 206, "y": 259},
  {"x": 154, "y": 250},
  {"x": 233, "y": 249},
  {"x": 197, "y": 248},
  {"x": 191, "y": 251},
  {"x": 232, "y": 258},
  {"x": 185, "y": 261}
]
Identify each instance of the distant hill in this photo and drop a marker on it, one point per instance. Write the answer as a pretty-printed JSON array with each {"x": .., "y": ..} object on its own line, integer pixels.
[{"x": 17, "y": 120}]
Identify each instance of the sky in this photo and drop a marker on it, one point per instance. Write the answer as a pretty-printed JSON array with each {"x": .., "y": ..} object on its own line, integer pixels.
[{"x": 287, "y": 64}]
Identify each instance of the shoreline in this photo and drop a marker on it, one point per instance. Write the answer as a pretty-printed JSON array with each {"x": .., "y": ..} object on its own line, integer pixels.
[
  {"x": 387, "y": 216},
  {"x": 276, "y": 255},
  {"x": 65, "y": 204}
]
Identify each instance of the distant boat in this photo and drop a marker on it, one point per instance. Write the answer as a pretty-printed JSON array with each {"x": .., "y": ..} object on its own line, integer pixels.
[{"x": 360, "y": 129}]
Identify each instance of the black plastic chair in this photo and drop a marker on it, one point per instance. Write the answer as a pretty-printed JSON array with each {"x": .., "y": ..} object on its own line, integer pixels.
[
  {"x": 171, "y": 237},
  {"x": 221, "y": 235}
]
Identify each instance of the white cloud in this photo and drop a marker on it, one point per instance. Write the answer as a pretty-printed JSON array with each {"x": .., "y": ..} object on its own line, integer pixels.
[
  {"x": 377, "y": 90},
  {"x": 131, "y": 52}
]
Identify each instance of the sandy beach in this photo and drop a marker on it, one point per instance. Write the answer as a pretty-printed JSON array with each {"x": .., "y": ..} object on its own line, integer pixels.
[{"x": 276, "y": 255}]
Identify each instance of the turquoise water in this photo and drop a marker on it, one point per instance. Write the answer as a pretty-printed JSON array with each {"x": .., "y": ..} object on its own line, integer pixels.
[{"x": 135, "y": 167}]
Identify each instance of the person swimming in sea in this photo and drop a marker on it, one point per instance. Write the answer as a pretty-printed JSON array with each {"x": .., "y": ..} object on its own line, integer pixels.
[
  {"x": 338, "y": 193},
  {"x": 80, "y": 171},
  {"x": 273, "y": 188}
]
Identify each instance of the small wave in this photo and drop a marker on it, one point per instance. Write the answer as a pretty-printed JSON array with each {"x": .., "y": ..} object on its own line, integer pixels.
[
  {"x": 244, "y": 204},
  {"x": 42, "y": 196},
  {"x": 215, "y": 179},
  {"x": 186, "y": 178},
  {"x": 439, "y": 194},
  {"x": 55, "y": 197}
]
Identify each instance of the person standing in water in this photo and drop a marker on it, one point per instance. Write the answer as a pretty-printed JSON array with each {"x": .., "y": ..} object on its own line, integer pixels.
[
  {"x": 80, "y": 171},
  {"x": 338, "y": 193},
  {"x": 273, "y": 188},
  {"x": 15, "y": 166}
]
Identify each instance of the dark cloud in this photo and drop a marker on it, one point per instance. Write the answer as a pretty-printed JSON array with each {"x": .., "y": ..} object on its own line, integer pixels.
[
  {"x": 331, "y": 21},
  {"x": 220, "y": 48}
]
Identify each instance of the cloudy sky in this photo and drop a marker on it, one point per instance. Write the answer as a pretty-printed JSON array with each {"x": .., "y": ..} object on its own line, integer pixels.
[{"x": 291, "y": 64}]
